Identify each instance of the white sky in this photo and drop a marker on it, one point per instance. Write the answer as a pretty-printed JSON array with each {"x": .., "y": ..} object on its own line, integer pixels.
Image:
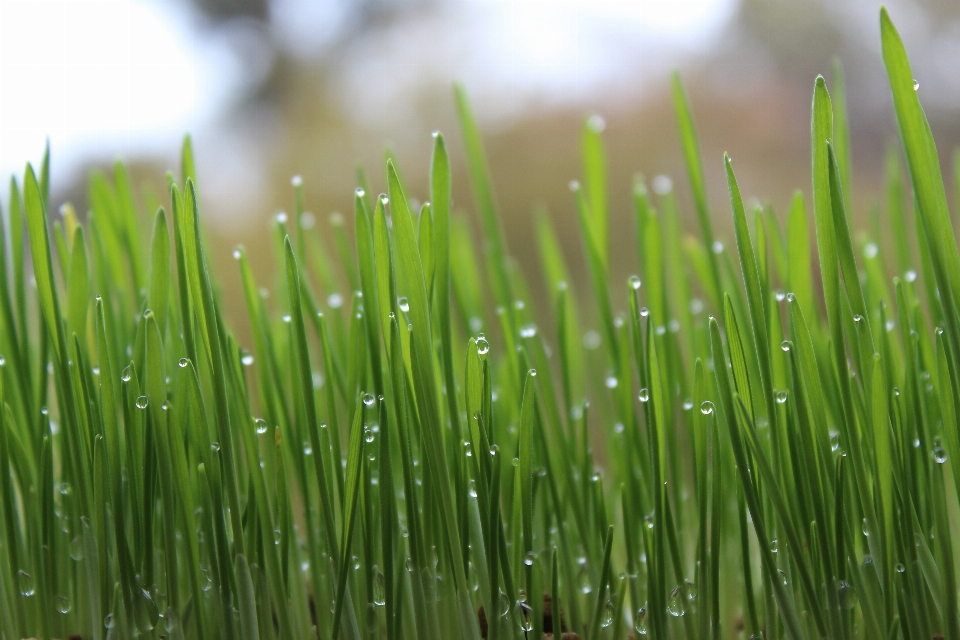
[{"x": 113, "y": 77}]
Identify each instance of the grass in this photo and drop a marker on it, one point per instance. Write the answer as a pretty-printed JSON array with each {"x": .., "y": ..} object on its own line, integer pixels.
[{"x": 382, "y": 463}]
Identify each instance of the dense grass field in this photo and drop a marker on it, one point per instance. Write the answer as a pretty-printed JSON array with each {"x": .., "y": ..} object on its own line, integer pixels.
[{"x": 741, "y": 441}]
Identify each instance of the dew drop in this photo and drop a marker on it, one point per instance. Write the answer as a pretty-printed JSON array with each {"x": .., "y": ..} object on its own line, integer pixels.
[
  {"x": 183, "y": 363},
  {"x": 368, "y": 399},
  {"x": 916, "y": 85},
  {"x": 76, "y": 549},
  {"x": 379, "y": 597},
  {"x": 528, "y": 331},
  {"x": 261, "y": 425},
  {"x": 483, "y": 347},
  {"x": 108, "y": 621},
  {"x": 910, "y": 276},
  {"x": 846, "y": 595},
  {"x": 870, "y": 251},
  {"x": 403, "y": 303},
  {"x": 26, "y": 584},
  {"x": 142, "y": 402},
  {"x": 368, "y": 435},
  {"x": 335, "y": 300},
  {"x": 939, "y": 454},
  {"x": 675, "y": 603},
  {"x": 611, "y": 382},
  {"x": 634, "y": 282},
  {"x": 247, "y": 359},
  {"x": 706, "y": 407},
  {"x": 644, "y": 395},
  {"x": 608, "y": 614},
  {"x": 63, "y": 605},
  {"x": 640, "y": 621},
  {"x": 781, "y": 396},
  {"x": 215, "y": 447},
  {"x": 785, "y": 345},
  {"x": 237, "y": 253}
]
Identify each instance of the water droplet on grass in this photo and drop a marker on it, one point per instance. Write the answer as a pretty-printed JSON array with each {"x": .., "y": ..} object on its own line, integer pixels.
[
  {"x": 608, "y": 613},
  {"x": 483, "y": 347},
  {"x": 846, "y": 595},
  {"x": 26, "y": 583},
  {"x": 640, "y": 621},
  {"x": 76, "y": 549},
  {"x": 675, "y": 603}
]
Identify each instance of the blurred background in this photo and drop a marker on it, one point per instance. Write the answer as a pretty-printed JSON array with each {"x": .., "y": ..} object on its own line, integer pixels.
[{"x": 270, "y": 89}]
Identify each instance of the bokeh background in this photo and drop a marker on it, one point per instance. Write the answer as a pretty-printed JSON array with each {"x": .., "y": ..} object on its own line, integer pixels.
[{"x": 270, "y": 89}]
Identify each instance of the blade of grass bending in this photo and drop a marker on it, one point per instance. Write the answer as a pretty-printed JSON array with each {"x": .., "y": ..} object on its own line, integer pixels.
[
  {"x": 109, "y": 400},
  {"x": 732, "y": 410},
  {"x": 204, "y": 290},
  {"x": 844, "y": 243},
  {"x": 483, "y": 190},
  {"x": 268, "y": 551},
  {"x": 691, "y": 155},
  {"x": 183, "y": 275},
  {"x": 598, "y": 271},
  {"x": 595, "y": 182},
  {"x": 50, "y": 310},
  {"x": 755, "y": 299},
  {"x": 313, "y": 426},
  {"x": 425, "y": 386},
  {"x": 247, "y": 604},
  {"x": 772, "y": 487},
  {"x": 602, "y": 590},
  {"x": 368, "y": 285},
  {"x": 924, "y": 168},
  {"x": 527, "y": 417},
  {"x": 350, "y": 508},
  {"x": 414, "y": 523},
  {"x": 78, "y": 287},
  {"x": 156, "y": 413},
  {"x": 388, "y": 521},
  {"x": 440, "y": 188},
  {"x": 159, "y": 296},
  {"x": 841, "y": 132},
  {"x": 10, "y": 520}
]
